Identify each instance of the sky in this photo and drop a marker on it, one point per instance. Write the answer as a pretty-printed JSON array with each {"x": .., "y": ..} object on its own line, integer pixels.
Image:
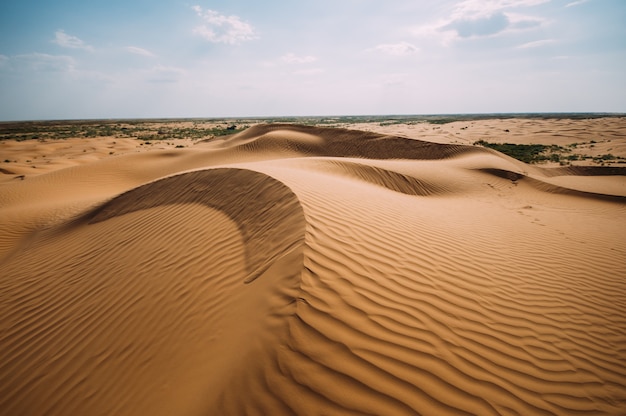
[{"x": 71, "y": 59}]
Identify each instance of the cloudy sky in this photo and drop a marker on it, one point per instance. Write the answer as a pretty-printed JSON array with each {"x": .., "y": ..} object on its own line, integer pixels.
[{"x": 69, "y": 59}]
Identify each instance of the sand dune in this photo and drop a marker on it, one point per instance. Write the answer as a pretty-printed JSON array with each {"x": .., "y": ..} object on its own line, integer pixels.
[{"x": 307, "y": 270}]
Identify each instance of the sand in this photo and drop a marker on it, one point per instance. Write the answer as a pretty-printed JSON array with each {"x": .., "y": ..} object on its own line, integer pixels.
[{"x": 309, "y": 270}]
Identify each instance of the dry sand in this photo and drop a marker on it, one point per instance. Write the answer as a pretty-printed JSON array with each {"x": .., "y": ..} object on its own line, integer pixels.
[{"x": 306, "y": 270}]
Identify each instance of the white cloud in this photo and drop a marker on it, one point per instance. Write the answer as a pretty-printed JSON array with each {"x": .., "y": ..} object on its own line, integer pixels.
[
  {"x": 536, "y": 43},
  {"x": 218, "y": 28},
  {"x": 473, "y": 9},
  {"x": 396, "y": 49},
  {"x": 292, "y": 58},
  {"x": 140, "y": 51},
  {"x": 42, "y": 62},
  {"x": 576, "y": 3},
  {"x": 478, "y": 26},
  {"x": 68, "y": 41},
  {"x": 470, "y": 19},
  {"x": 524, "y": 22}
]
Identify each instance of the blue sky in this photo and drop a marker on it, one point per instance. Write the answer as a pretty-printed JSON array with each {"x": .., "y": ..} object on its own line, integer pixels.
[{"x": 71, "y": 59}]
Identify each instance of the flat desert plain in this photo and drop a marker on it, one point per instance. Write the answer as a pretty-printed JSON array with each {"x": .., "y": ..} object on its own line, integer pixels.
[{"x": 375, "y": 268}]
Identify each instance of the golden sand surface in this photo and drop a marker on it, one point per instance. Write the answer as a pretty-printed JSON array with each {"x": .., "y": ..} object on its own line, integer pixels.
[{"x": 288, "y": 269}]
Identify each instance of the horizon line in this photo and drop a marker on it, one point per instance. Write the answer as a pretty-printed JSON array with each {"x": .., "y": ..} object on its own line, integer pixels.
[{"x": 548, "y": 114}]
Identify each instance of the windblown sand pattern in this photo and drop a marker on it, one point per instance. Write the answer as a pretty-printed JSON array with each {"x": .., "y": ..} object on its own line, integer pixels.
[{"x": 304, "y": 270}]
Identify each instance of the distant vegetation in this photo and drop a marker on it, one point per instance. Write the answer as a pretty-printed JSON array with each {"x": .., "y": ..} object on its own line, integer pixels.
[
  {"x": 528, "y": 153},
  {"x": 194, "y": 133},
  {"x": 138, "y": 129},
  {"x": 535, "y": 153}
]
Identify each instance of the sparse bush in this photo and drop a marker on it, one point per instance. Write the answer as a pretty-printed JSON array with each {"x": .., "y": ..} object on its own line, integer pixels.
[
  {"x": 528, "y": 153},
  {"x": 605, "y": 157},
  {"x": 442, "y": 120}
]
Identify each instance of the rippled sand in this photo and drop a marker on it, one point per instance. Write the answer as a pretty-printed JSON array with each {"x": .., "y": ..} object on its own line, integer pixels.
[{"x": 309, "y": 270}]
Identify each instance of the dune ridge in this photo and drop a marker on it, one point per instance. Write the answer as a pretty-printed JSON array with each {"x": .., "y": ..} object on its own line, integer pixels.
[
  {"x": 338, "y": 142},
  {"x": 305, "y": 270}
]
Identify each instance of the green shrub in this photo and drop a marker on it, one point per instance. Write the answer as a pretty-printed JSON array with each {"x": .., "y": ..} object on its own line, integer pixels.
[{"x": 527, "y": 153}]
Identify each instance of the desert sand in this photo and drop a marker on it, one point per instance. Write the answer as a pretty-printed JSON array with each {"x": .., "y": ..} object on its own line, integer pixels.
[{"x": 316, "y": 271}]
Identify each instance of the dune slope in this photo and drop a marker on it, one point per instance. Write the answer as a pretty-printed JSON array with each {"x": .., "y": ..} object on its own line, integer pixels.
[{"x": 302, "y": 270}]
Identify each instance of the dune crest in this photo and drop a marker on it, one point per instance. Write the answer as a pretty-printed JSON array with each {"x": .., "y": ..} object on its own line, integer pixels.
[{"x": 305, "y": 270}]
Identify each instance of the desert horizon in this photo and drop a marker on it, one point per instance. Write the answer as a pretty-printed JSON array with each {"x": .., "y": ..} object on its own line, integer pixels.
[{"x": 387, "y": 265}]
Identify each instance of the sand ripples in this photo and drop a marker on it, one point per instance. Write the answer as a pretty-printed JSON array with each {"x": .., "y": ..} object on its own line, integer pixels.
[{"x": 332, "y": 273}]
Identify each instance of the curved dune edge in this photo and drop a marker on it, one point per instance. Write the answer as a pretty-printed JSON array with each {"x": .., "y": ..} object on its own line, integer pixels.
[
  {"x": 299, "y": 276},
  {"x": 142, "y": 302},
  {"x": 336, "y": 142},
  {"x": 267, "y": 236}
]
